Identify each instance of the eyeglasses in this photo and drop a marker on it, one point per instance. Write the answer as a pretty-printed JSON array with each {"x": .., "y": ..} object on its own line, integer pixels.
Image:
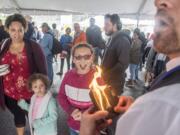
[{"x": 85, "y": 57}]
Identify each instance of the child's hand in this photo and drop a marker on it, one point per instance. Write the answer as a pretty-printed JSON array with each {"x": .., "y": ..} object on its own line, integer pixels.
[
  {"x": 21, "y": 102},
  {"x": 79, "y": 114},
  {"x": 76, "y": 114}
]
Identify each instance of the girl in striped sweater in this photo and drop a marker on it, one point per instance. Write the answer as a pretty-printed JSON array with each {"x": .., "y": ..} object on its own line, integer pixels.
[{"x": 74, "y": 91}]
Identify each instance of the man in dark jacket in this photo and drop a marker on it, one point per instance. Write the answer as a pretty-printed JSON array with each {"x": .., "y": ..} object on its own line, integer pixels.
[
  {"x": 30, "y": 30},
  {"x": 116, "y": 55},
  {"x": 94, "y": 37},
  {"x": 3, "y": 33}
]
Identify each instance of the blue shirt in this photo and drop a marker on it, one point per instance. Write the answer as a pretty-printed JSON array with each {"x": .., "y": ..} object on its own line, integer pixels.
[
  {"x": 65, "y": 41},
  {"x": 46, "y": 44}
]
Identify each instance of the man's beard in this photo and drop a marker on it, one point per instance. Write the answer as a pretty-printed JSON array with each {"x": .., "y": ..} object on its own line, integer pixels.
[
  {"x": 109, "y": 33},
  {"x": 167, "y": 42}
]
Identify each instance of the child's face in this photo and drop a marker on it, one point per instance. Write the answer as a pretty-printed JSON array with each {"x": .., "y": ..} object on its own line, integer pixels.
[
  {"x": 83, "y": 60},
  {"x": 39, "y": 88}
]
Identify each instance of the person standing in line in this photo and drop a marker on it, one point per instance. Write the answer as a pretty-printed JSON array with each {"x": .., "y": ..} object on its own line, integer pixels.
[
  {"x": 94, "y": 38},
  {"x": 46, "y": 44},
  {"x": 66, "y": 42}
]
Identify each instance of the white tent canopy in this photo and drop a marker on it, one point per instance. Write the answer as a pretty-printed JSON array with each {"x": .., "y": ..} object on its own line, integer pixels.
[{"x": 138, "y": 9}]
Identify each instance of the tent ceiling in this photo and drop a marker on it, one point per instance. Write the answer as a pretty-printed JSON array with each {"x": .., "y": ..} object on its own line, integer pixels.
[{"x": 126, "y": 8}]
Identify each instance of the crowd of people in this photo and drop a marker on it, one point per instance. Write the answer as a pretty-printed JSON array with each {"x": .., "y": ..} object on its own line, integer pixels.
[{"x": 25, "y": 83}]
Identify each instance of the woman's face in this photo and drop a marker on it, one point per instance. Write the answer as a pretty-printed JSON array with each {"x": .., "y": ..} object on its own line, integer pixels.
[{"x": 16, "y": 31}]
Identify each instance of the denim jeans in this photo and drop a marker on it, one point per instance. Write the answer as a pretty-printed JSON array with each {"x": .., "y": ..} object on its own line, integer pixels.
[
  {"x": 133, "y": 71},
  {"x": 73, "y": 132},
  {"x": 49, "y": 60}
]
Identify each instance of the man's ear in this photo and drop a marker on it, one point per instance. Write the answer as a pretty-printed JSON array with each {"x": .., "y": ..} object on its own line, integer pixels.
[{"x": 115, "y": 27}]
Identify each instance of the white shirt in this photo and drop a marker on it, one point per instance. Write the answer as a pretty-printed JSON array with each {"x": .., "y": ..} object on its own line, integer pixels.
[
  {"x": 150, "y": 44},
  {"x": 156, "y": 113},
  {"x": 161, "y": 56},
  {"x": 56, "y": 33}
]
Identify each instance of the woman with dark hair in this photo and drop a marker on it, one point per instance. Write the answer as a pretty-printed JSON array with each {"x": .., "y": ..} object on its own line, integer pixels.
[{"x": 23, "y": 57}]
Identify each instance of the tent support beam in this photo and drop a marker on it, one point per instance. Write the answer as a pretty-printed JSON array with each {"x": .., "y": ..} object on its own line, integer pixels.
[
  {"x": 137, "y": 26},
  {"x": 141, "y": 7},
  {"x": 14, "y": 2}
]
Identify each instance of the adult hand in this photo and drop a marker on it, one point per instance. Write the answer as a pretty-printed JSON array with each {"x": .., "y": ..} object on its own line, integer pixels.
[
  {"x": 92, "y": 122},
  {"x": 124, "y": 103}
]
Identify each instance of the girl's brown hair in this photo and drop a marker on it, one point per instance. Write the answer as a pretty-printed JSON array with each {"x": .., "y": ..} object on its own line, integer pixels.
[{"x": 36, "y": 77}]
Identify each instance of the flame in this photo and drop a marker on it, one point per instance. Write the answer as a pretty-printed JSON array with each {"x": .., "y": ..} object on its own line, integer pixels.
[{"x": 99, "y": 90}]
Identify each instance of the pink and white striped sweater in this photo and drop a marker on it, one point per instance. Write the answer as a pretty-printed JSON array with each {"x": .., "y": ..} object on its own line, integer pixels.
[{"x": 74, "y": 93}]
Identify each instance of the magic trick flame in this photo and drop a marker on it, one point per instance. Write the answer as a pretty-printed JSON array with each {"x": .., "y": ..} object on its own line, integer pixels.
[{"x": 99, "y": 91}]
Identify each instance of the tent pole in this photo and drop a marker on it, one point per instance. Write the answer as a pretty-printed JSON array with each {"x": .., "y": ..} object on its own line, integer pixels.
[
  {"x": 137, "y": 26},
  {"x": 142, "y": 5},
  {"x": 137, "y": 18}
]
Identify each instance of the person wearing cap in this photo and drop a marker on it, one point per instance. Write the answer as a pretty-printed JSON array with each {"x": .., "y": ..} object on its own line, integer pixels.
[
  {"x": 94, "y": 38},
  {"x": 30, "y": 29},
  {"x": 55, "y": 31},
  {"x": 19, "y": 59},
  {"x": 46, "y": 44}
]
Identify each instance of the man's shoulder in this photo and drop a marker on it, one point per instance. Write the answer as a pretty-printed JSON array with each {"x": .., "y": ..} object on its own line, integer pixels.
[
  {"x": 168, "y": 95},
  {"x": 121, "y": 36},
  {"x": 151, "y": 110},
  {"x": 121, "y": 39}
]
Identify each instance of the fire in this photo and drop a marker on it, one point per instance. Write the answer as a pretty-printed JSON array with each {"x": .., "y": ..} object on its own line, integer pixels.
[{"x": 98, "y": 91}]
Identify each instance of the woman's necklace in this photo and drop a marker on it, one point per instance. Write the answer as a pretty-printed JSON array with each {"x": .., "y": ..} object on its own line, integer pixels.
[{"x": 18, "y": 51}]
